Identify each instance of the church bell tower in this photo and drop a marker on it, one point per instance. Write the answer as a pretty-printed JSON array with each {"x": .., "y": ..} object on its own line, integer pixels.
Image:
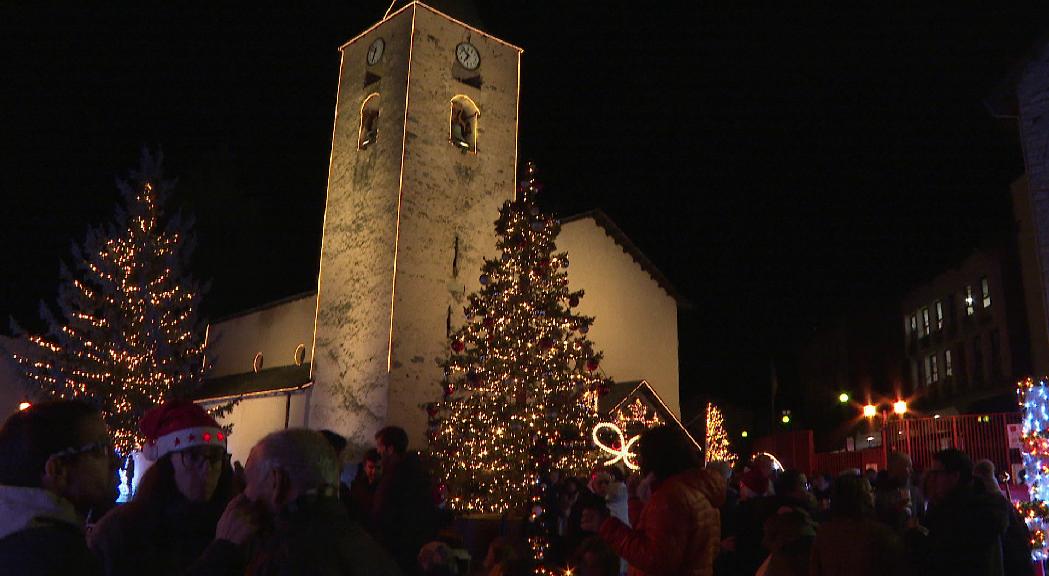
[{"x": 424, "y": 152}]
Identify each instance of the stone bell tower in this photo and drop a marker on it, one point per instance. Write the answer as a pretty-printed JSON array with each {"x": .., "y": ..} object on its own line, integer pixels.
[{"x": 424, "y": 152}]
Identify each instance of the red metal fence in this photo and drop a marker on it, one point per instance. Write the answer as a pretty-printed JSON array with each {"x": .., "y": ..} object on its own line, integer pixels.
[
  {"x": 834, "y": 463},
  {"x": 979, "y": 436}
]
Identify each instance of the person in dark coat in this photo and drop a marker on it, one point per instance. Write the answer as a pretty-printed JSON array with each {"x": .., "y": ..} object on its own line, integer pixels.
[
  {"x": 289, "y": 521},
  {"x": 1016, "y": 542},
  {"x": 172, "y": 517},
  {"x": 57, "y": 464},
  {"x": 361, "y": 495},
  {"x": 897, "y": 499},
  {"x": 404, "y": 516},
  {"x": 965, "y": 522},
  {"x": 853, "y": 542},
  {"x": 591, "y": 496}
]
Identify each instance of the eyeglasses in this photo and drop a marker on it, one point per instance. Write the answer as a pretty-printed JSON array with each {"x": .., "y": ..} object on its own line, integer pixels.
[
  {"x": 101, "y": 448},
  {"x": 194, "y": 457}
]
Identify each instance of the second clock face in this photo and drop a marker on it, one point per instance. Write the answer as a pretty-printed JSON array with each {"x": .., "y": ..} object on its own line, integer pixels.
[
  {"x": 375, "y": 51},
  {"x": 467, "y": 55}
]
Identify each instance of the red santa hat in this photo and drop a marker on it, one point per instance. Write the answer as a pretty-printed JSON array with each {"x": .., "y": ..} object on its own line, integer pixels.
[{"x": 177, "y": 425}]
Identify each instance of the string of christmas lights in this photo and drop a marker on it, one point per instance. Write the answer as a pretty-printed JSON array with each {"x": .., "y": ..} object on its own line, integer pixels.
[
  {"x": 1034, "y": 399},
  {"x": 128, "y": 336},
  {"x": 520, "y": 377},
  {"x": 718, "y": 448}
]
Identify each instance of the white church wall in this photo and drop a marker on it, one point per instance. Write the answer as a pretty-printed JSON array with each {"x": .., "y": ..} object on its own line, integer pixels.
[
  {"x": 12, "y": 389},
  {"x": 275, "y": 331},
  {"x": 254, "y": 418},
  {"x": 636, "y": 320}
]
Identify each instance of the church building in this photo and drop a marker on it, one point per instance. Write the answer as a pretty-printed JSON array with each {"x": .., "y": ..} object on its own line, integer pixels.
[{"x": 424, "y": 153}]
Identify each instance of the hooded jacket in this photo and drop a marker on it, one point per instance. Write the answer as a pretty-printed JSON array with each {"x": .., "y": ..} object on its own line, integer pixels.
[
  {"x": 679, "y": 529},
  {"x": 41, "y": 534}
]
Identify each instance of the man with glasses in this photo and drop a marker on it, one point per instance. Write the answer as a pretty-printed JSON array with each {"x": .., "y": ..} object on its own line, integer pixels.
[{"x": 57, "y": 465}]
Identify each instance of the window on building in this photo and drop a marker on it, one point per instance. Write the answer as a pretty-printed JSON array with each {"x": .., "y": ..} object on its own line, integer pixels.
[
  {"x": 970, "y": 302},
  {"x": 368, "y": 131},
  {"x": 462, "y": 123},
  {"x": 939, "y": 315},
  {"x": 948, "y": 364},
  {"x": 928, "y": 370},
  {"x": 925, "y": 323},
  {"x": 985, "y": 291},
  {"x": 912, "y": 324},
  {"x": 934, "y": 368}
]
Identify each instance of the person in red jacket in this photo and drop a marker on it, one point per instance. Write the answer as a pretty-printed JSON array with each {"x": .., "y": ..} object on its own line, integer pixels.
[{"x": 678, "y": 532}]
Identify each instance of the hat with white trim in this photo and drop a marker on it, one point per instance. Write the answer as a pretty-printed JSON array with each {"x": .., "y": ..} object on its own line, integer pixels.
[{"x": 177, "y": 425}]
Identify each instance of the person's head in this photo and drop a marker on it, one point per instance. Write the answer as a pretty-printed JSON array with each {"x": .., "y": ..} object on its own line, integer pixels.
[
  {"x": 391, "y": 441},
  {"x": 900, "y": 467},
  {"x": 983, "y": 472},
  {"x": 821, "y": 482},
  {"x": 436, "y": 559},
  {"x": 764, "y": 465},
  {"x": 288, "y": 464},
  {"x": 500, "y": 553},
  {"x": 722, "y": 468},
  {"x": 593, "y": 557},
  {"x": 951, "y": 469},
  {"x": 664, "y": 451},
  {"x": 792, "y": 484},
  {"x": 183, "y": 434},
  {"x": 851, "y": 497},
  {"x": 599, "y": 481},
  {"x": 63, "y": 447},
  {"x": 370, "y": 465},
  {"x": 336, "y": 441}
]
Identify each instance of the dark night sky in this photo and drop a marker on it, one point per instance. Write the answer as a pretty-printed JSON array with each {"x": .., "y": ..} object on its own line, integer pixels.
[{"x": 778, "y": 165}]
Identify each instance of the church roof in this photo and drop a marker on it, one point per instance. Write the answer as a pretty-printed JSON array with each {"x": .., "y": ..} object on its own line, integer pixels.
[
  {"x": 278, "y": 380},
  {"x": 622, "y": 393},
  {"x": 620, "y": 237},
  {"x": 464, "y": 11}
]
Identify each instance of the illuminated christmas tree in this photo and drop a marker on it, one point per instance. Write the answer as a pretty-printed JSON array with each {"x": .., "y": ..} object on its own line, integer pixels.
[
  {"x": 128, "y": 334},
  {"x": 521, "y": 376},
  {"x": 1034, "y": 399},
  {"x": 717, "y": 444}
]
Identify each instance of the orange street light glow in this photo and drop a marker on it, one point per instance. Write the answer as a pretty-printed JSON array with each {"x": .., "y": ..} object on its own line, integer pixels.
[
  {"x": 870, "y": 411},
  {"x": 900, "y": 407}
]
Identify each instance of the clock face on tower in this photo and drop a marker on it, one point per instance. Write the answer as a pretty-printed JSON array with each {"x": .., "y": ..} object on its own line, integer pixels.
[
  {"x": 375, "y": 51},
  {"x": 468, "y": 56}
]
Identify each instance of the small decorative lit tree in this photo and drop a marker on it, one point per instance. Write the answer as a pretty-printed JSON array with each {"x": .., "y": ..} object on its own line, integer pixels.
[
  {"x": 718, "y": 448},
  {"x": 521, "y": 376},
  {"x": 1034, "y": 399},
  {"x": 128, "y": 336}
]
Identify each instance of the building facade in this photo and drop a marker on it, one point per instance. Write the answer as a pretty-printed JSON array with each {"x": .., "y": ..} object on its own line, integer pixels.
[{"x": 965, "y": 335}]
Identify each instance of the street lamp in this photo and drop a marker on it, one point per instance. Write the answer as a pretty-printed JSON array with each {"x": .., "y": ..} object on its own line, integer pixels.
[
  {"x": 23, "y": 406},
  {"x": 843, "y": 398},
  {"x": 900, "y": 407},
  {"x": 870, "y": 411},
  {"x": 744, "y": 434}
]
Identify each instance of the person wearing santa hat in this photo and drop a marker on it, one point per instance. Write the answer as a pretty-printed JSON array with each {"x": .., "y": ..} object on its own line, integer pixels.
[{"x": 172, "y": 517}]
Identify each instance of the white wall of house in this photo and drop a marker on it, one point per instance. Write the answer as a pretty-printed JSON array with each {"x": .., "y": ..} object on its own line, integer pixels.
[
  {"x": 636, "y": 319},
  {"x": 275, "y": 331},
  {"x": 254, "y": 418}
]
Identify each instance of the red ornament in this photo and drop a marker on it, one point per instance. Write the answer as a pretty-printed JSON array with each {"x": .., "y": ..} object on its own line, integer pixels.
[
  {"x": 489, "y": 322},
  {"x": 573, "y": 301},
  {"x": 431, "y": 410},
  {"x": 591, "y": 364},
  {"x": 458, "y": 345},
  {"x": 449, "y": 389},
  {"x": 546, "y": 343}
]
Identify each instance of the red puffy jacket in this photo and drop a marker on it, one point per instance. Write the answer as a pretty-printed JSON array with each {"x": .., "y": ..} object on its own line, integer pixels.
[{"x": 679, "y": 529}]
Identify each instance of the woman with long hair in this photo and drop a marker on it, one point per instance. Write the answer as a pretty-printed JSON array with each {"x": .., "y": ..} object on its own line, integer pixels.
[{"x": 172, "y": 517}]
